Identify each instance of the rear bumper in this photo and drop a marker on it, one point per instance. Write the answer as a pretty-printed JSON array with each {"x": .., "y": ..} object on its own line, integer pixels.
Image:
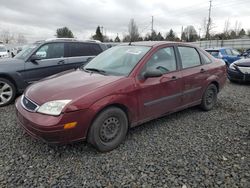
[
  {"x": 50, "y": 129},
  {"x": 237, "y": 75}
]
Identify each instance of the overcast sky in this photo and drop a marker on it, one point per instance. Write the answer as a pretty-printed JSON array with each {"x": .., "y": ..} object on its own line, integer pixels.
[{"x": 39, "y": 19}]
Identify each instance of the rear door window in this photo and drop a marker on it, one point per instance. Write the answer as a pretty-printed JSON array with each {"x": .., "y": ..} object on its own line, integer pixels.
[
  {"x": 189, "y": 57},
  {"x": 79, "y": 49}
]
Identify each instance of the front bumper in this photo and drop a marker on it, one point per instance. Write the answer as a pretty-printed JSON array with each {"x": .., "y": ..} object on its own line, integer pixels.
[
  {"x": 51, "y": 128},
  {"x": 236, "y": 75}
]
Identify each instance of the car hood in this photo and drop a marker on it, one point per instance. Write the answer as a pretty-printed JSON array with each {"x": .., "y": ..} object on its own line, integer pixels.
[
  {"x": 11, "y": 64},
  {"x": 3, "y": 53},
  {"x": 73, "y": 86},
  {"x": 7, "y": 61},
  {"x": 243, "y": 63}
]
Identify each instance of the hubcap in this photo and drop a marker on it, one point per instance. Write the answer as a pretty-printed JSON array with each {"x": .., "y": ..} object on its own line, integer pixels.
[
  {"x": 110, "y": 129},
  {"x": 6, "y": 92},
  {"x": 210, "y": 97}
]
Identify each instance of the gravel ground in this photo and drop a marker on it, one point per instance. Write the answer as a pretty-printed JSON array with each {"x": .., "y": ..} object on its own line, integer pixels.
[{"x": 190, "y": 148}]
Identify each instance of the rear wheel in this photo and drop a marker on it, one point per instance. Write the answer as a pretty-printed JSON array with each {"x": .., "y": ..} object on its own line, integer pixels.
[
  {"x": 209, "y": 97},
  {"x": 7, "y": 92},
  {"x": 109, "y": 129}
]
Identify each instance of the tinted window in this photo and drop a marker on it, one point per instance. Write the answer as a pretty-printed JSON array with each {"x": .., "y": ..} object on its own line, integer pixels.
[
  {"x": 163, "y": 60},
  {"x": 50, "y": 51},
  {"x": 95, "y": 49},
  {"x": 228, "y": 52},
  {"x": 82, "y": 49},
  {"x": 189, "y": 57}
]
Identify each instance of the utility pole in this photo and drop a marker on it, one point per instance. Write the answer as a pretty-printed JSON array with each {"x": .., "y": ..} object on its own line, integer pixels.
[
  {"x": 181, "y": 33},
  {"x": 209, "y": 20},
  {"x": 152, "y": 26}
]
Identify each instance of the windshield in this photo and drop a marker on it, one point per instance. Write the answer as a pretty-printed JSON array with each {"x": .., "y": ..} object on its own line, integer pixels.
[
  {"x": 119, "y": 60},
  {"x": 2, "y": 49},
  {"x": 26, "y": 51}
]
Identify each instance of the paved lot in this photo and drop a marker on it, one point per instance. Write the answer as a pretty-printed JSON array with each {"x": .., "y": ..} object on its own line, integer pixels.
[{"x": 192, "y": 148}]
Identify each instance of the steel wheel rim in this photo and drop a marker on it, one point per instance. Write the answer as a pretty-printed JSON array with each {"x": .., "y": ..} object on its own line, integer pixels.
[
  {"x": 210, "y": 97},
  {"x": 110, "y": 129},
  {"x": 6, "y": 92}
]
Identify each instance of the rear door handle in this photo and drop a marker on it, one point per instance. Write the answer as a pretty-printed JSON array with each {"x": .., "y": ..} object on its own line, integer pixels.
[
  {"x": 61, "y": 62},
  {"x": 202, "y": 70},
  {"x": 174, "y": 77}
]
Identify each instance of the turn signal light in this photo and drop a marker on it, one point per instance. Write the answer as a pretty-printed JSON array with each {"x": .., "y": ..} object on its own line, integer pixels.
[{"x": 70, "y": 125}]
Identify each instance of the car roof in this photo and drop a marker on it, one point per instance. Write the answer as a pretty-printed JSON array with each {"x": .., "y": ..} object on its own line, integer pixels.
[
  {"x": 156, "y": 43},
  {"x": 217, "y": 48}
]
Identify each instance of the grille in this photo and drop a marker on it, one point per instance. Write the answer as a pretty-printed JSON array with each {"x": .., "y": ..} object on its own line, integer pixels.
[{"x": 29, "y": 105}]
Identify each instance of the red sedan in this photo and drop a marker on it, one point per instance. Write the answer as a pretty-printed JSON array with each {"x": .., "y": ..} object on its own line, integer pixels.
[{"x": 122, "y": 87}]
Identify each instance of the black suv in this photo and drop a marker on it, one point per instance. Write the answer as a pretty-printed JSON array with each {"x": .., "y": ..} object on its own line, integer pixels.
[{"x": 43, "y": 59}]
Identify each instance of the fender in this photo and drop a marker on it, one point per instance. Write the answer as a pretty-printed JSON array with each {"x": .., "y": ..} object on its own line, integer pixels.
[{"x": 127, "y": 103}]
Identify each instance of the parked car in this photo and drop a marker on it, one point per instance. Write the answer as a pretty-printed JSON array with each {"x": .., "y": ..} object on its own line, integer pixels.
[
  {"x": 3, "y": 52},
  {"x": 239, "y": 71},
  {"x": 246, "y": 53},
  {"x": 40, "y": 60},
  {"x": 122, "y": 87},
  {"x": 229, "y": 55}
]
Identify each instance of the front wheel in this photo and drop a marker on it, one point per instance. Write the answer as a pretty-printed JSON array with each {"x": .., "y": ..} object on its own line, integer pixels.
[
  {"x": 7, "y": 92},
  {"x": 209, "y": 97},
  {"x": 109, "y": 129}
]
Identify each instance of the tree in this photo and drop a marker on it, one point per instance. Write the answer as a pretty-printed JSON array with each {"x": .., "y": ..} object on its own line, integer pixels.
[
  {"x": 159, "y": 37},
  {"x": 21, "y": 39},
  {"x": 242, "y": 33},
  {"x": 126, "y": 38},
  {"x": 170, "y": 35},
  {"x": 133, "y": 30},
  {"x": 117, "y": 39},
  {"x": 190, "y": 34},
  {"x": 98, "y": 35},
  {"x": 233, "y": 34},
  {"x": 7, "y": 37},
  {"x": 64, "y": 32}
]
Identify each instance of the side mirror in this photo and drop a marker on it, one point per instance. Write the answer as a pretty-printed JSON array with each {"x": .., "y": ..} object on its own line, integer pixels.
[
  {"x": 34, "y": 58},
  {"x": 152, "y": 74}
]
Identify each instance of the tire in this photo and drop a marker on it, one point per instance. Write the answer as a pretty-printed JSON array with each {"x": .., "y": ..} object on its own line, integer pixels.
[
  {"x": 108, "y": 130},
  {"x": 209, "y": 97},
  {"x": 7, "y": 92}
]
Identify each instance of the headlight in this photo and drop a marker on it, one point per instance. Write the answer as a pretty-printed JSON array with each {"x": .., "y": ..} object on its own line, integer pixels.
[
  {"x": 53, "y": 107},
  {"x": 232, "y": 66}
]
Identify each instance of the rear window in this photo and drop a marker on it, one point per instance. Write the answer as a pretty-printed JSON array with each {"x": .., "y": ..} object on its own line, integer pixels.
[
  {"x": 214, "y": 53},
  {"x": 83, "y": 49}
]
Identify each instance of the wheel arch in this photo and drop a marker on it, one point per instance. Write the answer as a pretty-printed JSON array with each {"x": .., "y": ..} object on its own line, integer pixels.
[{"x": 9, "y": 78}]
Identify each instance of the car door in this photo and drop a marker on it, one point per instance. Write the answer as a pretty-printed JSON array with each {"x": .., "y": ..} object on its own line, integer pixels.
[
  {"x": 194, "y": 75},
  {"x": 159, "y": 95},
  {"x": 52, "y": 62},
  {"x": 79, "y": 54}
]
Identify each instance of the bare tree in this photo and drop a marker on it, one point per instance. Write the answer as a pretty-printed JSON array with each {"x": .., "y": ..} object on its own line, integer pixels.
[
  {"x": 7, "y": 37},
  {"x": 226, "y": 30},
  {"x": 21, "y": 39},
  {"x": 237, "y": 27},
  {"x": 133, "y": 30},
  {"x": 190, "y": 34}
]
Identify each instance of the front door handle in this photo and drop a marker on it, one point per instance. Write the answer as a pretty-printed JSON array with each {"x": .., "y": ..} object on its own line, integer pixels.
[
  {"x": 174, "y": 77},
  {"x": 202, "y": 70}
]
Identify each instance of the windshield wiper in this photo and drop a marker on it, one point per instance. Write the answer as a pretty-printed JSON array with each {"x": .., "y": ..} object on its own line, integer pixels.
[{"x": 95, "y": 70}]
